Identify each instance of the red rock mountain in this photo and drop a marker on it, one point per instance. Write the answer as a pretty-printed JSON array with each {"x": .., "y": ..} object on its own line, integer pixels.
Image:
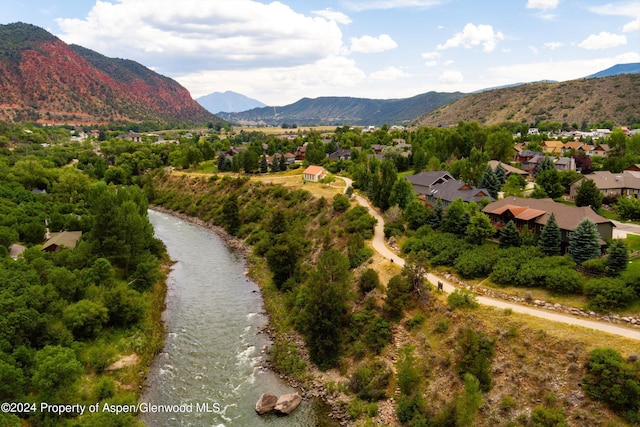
[{"x": 42, "y": 79}]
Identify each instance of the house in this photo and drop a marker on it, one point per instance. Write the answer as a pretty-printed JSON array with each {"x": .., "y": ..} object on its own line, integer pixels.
[
  {"x": 67, "y": 239},
  {"x": 565, "y": 164},
  {"x": 586, "y": 149},
  {"x": 531, "y": 164},
  {"x": 633, "y": 170},
  {"x": 340, "y": 155},
  {"x": 300, "y": 152},
  {"x": 314, "y": 173},
  {"x": 131, "y": 136},
  {"x": 15, "y": 250},
  {"x": 610, "y": 184},
  {"x": 571, "y": 145},
  {"x": 602, "y": 150},
  {"x": 377, "y": 148},
  {"x": 508, "y": 168},
  {"x": 440, "y": 186},
  {"x": 534, "y": 214},
  {"x": 552, "y": 147}
]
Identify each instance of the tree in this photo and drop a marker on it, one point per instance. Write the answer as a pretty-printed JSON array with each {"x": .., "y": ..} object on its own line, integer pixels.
[
  {"x": 85, "y": 318},
  {"x": 283, "y": 258},
  {"x": 589, "y": 195},
  {"x": 584, "y": 242},
  {"x": 416, "y": 214},
  {"x": 264, "y": 166},
  {"x": 324, "y": 309},
  {"x": 490, "y": 182},
  {"x": 469, "y": 403},
  {"x": 456, "y": 218},
  {"x": 618, "y": 258},
  {"x": 398, "y": 294},
  {"x": 546, "y": 164},
  {"x": 551, "y": 237},
  {"x": 368, "y": 281},
  {"x": 436, "y": 219},
  {"x": 499, "y": 145},
  {"x": 401, "y": 193},
  {"x": 549, "y": 180},
  {"x": 509, "y": 236},
  {"x": 501, "y": 174},
  {"x": 479, "y": 228},
  {"x": 56, "y": 368},
  {"x": 231, "y": 215}
]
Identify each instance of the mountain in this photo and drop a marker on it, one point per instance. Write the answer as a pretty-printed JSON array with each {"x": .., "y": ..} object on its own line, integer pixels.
[
  {"x": 334, "y": 110},
  {"x": 228, "y": 101},
  {"x": 632, "y": 68},
  {"x": 592, "y": 100},
  {"x": 42, "y": 79}
]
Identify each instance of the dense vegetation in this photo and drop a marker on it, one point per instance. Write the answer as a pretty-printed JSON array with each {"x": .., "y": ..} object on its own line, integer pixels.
[{"x": 69, "y": 314}]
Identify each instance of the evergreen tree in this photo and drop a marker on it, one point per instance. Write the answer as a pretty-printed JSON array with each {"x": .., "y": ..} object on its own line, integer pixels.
[
  {"x": 490, "y": 182},
  {"x": 551, "y": 237},
  {"x": 436, "y": 219},
  {"x": 231, "y": 215},
  {"x": 283, "y": 163},
  {"x": 222, "y": 162},
  {"x": 546, "y": 164},
  {"x": 509, "y": 236},
  {"x": 275, "y": 165},
  {"x": 618, "y": 257},
  {"x": 584, "y": 242},
  {"x": 456, "y": 219},
  {"x": 589, "y": 195},
  {"x": 501, "y": 174},
  {"x": 264, "y": 166}
]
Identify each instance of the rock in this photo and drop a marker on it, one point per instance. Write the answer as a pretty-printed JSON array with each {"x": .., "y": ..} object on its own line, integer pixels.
[
  {"x": 287, "y": 403},
  {"x": 266, "y": 403}
]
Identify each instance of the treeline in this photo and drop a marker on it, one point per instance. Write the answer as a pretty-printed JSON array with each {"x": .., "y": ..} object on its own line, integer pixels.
[{"x": 68, "y": 314}]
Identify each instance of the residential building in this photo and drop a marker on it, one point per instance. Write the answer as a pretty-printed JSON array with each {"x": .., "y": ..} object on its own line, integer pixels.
[
  {"x": 534, "y": 214},
  {"x": 314, "y": 173},
  {"x": 66, "y": 239},
  {"x": 508, "y": 168},
  {"x": 340, "y": 155},
  {"x": 625, "y": 184},
  {"x": 440, "y": 186}
]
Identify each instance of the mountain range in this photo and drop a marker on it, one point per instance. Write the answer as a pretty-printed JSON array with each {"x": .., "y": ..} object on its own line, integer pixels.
[{"x": 44, "y": 80}]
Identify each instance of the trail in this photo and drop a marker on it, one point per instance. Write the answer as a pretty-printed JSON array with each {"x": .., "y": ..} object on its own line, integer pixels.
[{"x": 380, "y": 247}]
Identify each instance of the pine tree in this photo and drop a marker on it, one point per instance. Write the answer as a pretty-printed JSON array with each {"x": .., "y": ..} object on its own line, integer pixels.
[
  {"x": 436, "y": 220},
  {"x": 551, "y": 237},
  {"x": 283, "y": 163},
  {"x": 618, "y": 257},
  {"x": 509, "y": 236},
  {"x": 264, "y": 166},
  {"x": 589, "y": 195},
  {"x": 490, "y": 182},
  {"x": 501, "y": 174},
  {"x": 584, "y": 242},
  {"x": 546, "y": 164}
]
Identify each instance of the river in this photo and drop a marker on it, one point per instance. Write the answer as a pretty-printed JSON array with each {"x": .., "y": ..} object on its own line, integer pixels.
[{"x": 212, "y": 361}]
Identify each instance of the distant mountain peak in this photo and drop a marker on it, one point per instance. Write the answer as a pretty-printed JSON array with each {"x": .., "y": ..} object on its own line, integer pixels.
[
  {"x": 631, "y": 68},
  {"x": 228, "y": 102}
]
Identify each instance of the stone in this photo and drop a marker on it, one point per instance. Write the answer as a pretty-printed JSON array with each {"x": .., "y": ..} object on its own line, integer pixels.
[
  {"x": 287, "y": 403},
  {"x": 266, "y": 403}
]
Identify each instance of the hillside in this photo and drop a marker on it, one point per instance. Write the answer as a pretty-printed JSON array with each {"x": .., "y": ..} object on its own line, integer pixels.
[
  {"x": 618, "y": 69},
  {"x": 228, "y": 101},
  {"x": 347, "y": 110},
  {"x": 614, "y": 98},
  {"x": 42, "y": 79}
]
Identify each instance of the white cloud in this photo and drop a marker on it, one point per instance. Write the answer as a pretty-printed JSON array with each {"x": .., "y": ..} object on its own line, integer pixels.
[
  {"x": 388, "y": 74},
  {"x": 175, "y": 36},
  {"x": 333, "y": 15},
  {"x": 451, "y": 77},
  {"x": 473, "y": 35},
  {"x": 280, "y": 85},
  {"x": 369, "y": 44},
  {"x": 553, "y": 45},
  {"x": 632, "y": 26},
  {"x": 431, "y": 63},
  {"x": 533, "y": 49},
  {"x": 390, "y": 4},
  {"x": 542, "y": 4},
  {"x": 604, "y": 40},
  {"x": 431, "y": 55},
  {"x": 557, "y": 70}
]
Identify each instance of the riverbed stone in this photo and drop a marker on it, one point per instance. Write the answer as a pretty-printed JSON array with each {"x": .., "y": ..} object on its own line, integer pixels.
[
  {"x": 287, "y": 403},
  {"x": 266, "y": 403}
]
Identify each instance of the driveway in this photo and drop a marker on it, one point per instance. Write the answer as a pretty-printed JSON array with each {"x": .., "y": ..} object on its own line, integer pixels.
[{"x": 379, "y": 245}]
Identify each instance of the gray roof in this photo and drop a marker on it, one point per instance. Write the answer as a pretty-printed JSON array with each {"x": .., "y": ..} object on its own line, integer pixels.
[
  {"x": 68, "y": 239},
  {"x": 441, "y": 185},
  {"x": 510, "y": 169},
  {"x": 607, "y": 180}
]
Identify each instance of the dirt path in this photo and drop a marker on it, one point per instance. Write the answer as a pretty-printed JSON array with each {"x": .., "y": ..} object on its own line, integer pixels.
[{"x": 380, "y": 246}]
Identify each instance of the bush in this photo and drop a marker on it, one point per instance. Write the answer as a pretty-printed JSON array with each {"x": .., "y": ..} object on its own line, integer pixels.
[
  {"x": 475, "y": 350},
  {"x": 415, "y": 322},
  {"x": 462, "y": 298},
  {"x": 595, "y": 265},
  {"x": 369, "y": 381},
  {"x": 608, "y": 294},
  {"x": 474, "y": 263},
  {"x": 548, "y": 417},
  {"x": 612, "y": 381},
  {"x": 85, "y": 318},
  {"x": 369, "y": 281},
  {"x": 562, "y": 280},
  {"x": 340, "y": 203}
]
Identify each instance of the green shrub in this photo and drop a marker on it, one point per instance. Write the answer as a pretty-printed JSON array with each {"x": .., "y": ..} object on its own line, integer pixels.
[
  {"x": 462, "y": 298},
  {"x": 608, "y": 294},
  {"x": 548, "y": 417},
  {"x": 368, "y": 281},
  {"x": 415, "y": 322},
  {"x": 370, "y": 380}
]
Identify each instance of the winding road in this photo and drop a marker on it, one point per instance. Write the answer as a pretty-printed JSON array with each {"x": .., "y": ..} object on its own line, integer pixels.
[{"x": 379, "y": 245}]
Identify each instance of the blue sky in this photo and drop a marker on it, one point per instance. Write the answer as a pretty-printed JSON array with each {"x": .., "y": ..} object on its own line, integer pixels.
[{"x": 281, "y": 51}]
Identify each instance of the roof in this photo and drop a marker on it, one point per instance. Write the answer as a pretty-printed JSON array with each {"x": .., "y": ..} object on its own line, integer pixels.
[
  {"x": 572, "y": 145},
  {"x": 453, "y": 189},
  {"x": 314, "y": 170},
  {"x": 15, "y": 250},
  {"x": 567, "y": 217},
  {"x": 607, "y": 180},
  {"x": 64, "y": 238},
  {"x": 427, "y": 179},
  {"x": 508, "y": 168}
]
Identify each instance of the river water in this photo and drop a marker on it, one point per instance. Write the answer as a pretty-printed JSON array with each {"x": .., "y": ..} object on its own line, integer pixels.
[{"x": 212, "y": 357}]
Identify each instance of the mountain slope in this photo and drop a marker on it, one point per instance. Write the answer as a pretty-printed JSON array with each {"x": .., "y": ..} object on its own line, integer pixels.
[
  {"x": 228, "y": 101},
  {"x": 347, "y": 110},
  {"x": 615, "y": 98},
  {"x": 618, "y": 69},
  {"x": 43, "y": 79}
]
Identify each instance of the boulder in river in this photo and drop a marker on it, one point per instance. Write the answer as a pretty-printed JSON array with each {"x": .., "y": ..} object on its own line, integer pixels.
[
  {"x": 266, "y": 403},
  {"x": 287, "y": 403}
]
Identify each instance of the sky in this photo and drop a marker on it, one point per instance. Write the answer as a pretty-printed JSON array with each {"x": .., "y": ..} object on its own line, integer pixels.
[{"x": 280, "y": 51}]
